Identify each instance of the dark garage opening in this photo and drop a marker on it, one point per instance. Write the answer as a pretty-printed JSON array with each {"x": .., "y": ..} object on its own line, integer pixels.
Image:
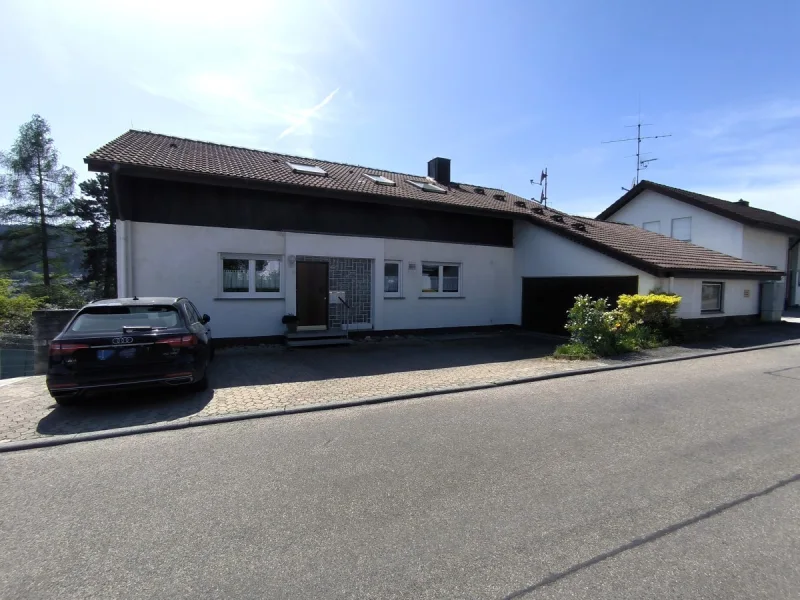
[{"x": 546, "y": 300}]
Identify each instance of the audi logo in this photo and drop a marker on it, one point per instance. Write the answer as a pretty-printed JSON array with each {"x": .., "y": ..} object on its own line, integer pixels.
[{"x": 122, "y": 340}]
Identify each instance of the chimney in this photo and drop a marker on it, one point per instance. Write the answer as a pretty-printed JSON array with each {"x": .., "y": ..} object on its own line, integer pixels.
[
  {"x": 439, "y": 169},
  {"x": 741, "y": 202}
]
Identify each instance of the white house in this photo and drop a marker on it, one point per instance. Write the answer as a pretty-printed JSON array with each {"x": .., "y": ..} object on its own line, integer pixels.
[
  {"x": 251, "y": 236},
  {"x": 735, "y": 228}
]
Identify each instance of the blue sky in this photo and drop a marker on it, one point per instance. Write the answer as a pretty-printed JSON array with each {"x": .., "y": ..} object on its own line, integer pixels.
[{"x": 502, "y": 88}]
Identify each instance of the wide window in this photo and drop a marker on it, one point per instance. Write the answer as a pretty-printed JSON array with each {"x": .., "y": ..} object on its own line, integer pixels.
[
  {"x": 441, "y": 279},
  {"x": 250, "y": 276},
  {"x": 712, "y": 297},
  {"x": 391, "y": 278},
  {"x": 654, "y": 226},
  {"x": 682, "y": 229}
]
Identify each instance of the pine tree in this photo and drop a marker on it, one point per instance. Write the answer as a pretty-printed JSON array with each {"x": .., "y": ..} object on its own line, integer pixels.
[
  {"x": 96, "y": 233},
  {"x": 39, "y": 191}
]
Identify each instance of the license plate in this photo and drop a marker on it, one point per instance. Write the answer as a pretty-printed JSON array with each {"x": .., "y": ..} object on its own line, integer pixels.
[
  {"x": 127, "y": 353},
  {"x": 105, "y": 354}
]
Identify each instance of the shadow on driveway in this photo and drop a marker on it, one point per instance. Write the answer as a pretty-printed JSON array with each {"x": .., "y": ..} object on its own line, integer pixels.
[
  {"x": 127, "y": 409},
  {"x": 271, "y": 365}
]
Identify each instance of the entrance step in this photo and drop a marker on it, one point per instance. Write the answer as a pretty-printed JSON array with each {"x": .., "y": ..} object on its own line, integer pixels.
[
  {"x": 328, "y": 337},
  {"x": 319, "y": 342}
]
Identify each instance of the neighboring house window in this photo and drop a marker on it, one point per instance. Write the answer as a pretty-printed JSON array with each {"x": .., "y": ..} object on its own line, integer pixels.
[
  {"x": 654, "y": 226},
  {"x": 441, "y": 279},
  {"x": 391, "y": 278},
  {"x": 250, "y": 276},
  {"x": 682, "y": 229},
  {"x": 712, "y": 297}
]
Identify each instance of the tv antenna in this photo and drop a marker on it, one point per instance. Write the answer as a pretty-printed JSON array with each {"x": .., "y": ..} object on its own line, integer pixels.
[
  {"x": 641, "y": 164},
  {"x": 543, "y": 183}
]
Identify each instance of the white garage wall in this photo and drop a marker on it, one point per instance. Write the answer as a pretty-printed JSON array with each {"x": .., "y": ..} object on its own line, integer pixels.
[
  {"x": 708, "y": 229},
  {"x": 178, "y": 260},
  {"x": 734, "y": 302},
  {"x": 765, "y": 247},
  {"x": 542, "y": 253}
]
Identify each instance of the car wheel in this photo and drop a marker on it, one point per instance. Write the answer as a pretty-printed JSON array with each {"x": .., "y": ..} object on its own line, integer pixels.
[
  {"x": 201, "y": 385},
  {"x": 65, "y": 400}
]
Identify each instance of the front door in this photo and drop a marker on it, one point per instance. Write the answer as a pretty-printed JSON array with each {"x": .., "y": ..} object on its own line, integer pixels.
[{"x": 312, "y": 295}]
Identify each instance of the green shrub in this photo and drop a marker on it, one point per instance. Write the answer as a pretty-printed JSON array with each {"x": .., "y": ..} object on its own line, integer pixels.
[
  {"x": 16, "y": 310},
  {"x": 654, "y": 311},
  {"x": 574, "y": 350},
  {"x": 591, "y": 324},
  {"x": 637, "y": 323}
]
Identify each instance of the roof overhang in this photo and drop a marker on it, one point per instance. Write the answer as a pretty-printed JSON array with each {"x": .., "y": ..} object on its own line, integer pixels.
[
  {"x": 687, "y": 199},
  {"x": 269, "y": 186}
]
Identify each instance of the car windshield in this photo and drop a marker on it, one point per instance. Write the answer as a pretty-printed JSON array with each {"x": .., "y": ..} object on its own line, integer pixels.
[{"x": 115, "y": 318}]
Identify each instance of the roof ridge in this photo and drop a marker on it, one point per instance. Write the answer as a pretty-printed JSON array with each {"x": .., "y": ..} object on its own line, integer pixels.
[{"x": 297, "y": 156}]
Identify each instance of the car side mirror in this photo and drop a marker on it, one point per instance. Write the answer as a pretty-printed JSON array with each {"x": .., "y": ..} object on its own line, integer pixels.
[{"x": 205, "y": 319}]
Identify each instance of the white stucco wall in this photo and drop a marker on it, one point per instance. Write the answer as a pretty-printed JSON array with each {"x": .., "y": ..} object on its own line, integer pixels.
[
  {"x": 487, "y": 278},
  {"x": 542, "y": 253},
  {"x": 734, "y": 302},
  {"x": 708, "y": 229},
  {"x": 183, "y": 261},
  {"x": 765, "y": 247}
]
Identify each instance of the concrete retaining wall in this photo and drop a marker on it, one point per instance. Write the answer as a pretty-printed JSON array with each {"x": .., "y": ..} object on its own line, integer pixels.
[{"x": 47, "y": 324}]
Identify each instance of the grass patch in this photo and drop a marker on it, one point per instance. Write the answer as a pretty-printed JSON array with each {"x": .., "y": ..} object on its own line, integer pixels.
[{"x": 574, "y": 351}]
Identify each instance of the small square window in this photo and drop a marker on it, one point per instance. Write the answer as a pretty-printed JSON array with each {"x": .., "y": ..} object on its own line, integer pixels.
[
  {"x": 235, "y": 275},
  {"x": 441, "y": 279},
  {"x": 268, "y": 275},
  {"x": 380, "y": 179},
  {"x": 307, "y": 169},
  {"x": 391, "y": 278},
  {"x": 682, "y": 229},
  {"x": 711, "y": 300},
  {"x": 654, "y": 226}
]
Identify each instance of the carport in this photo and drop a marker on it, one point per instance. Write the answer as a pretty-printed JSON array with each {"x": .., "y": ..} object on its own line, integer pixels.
[{"x": 546, "y": 300}]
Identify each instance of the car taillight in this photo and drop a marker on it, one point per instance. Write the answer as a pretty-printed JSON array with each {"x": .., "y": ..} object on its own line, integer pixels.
[
  {"x": 184, "y": 341},
  {"x": 60, "y": 349}
]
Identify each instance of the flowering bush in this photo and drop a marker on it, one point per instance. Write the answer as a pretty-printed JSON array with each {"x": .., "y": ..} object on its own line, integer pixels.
[
  {"x": 656, "y": 311},
  {"x": 638, "y": 322}
]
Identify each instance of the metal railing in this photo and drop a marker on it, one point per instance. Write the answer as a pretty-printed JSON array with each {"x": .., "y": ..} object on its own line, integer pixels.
[
  {"x": 346, "y": 318},
  {"x": 16, "y": 356}
]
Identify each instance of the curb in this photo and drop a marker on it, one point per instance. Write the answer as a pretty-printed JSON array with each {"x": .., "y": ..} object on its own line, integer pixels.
[{"x": 139, "y": 429}]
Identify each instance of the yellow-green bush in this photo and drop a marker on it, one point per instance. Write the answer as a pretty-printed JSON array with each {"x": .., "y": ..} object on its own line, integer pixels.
[
  {"x": 16, "y": 310},
  {"x": 652, "y": 310}
]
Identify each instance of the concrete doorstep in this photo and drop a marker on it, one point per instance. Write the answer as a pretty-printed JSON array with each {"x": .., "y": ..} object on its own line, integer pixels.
[{"x": 57, "y": 440}]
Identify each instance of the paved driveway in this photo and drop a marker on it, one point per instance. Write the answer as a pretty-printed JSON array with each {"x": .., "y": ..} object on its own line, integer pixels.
[
  {"x": 273, "y": 377},
  {"x": 244, "y": 380}
]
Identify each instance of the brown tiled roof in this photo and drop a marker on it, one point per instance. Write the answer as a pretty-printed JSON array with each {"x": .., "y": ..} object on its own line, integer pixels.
[
  {"x": 643, "y": 249},
  {"x": 651, "y": 252},
  {"x": 155, "y": 151},
  {"x": 738, "y": 211}
]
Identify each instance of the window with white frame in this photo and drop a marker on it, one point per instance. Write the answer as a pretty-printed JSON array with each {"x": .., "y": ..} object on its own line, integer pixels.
[
  {"x": 711, "y": 300},
  {"x": 243, "y": 275},
  {"x": 682, "y": 229},
  {"x": 654, "y": 226},
  {"x": 392, "y": 272},
  {"x": 441, "y": 279}
]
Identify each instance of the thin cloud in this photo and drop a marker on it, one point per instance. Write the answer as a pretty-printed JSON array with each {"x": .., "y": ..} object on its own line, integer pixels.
[{"x": 306, "y": 115}]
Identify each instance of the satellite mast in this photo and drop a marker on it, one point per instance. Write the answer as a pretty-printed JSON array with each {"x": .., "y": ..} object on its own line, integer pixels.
[
  {"x": 543, "y": 183},
  {"x": 640, "y": 164}
]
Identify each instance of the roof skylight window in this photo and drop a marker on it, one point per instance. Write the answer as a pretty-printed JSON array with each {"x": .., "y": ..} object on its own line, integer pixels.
[
  {"x": 427, "y": 187},
  {"x": 306, "y": 169},
  {"x": 380, "y": 179}
]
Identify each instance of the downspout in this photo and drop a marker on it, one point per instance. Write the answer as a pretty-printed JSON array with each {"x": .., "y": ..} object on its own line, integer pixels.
[
  {"x": 793, "y": 276},
  {"x": 124, "y": 262}
]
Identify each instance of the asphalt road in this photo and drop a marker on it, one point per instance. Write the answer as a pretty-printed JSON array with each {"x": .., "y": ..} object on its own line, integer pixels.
[{"x": 671, "y": 481}]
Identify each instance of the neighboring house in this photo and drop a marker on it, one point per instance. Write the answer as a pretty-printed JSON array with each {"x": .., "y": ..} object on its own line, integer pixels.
[
  {"x": 250, "y": 236},
  {"x": 735, "y": 228}
]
